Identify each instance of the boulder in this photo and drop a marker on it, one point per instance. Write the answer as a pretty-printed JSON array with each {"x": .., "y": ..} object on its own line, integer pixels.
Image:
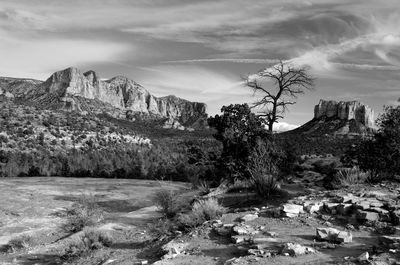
[
  {"x": 291, "y": 210},
  {"x": 333, "y": 235},
  {"x": 248, "y": 217},
  {"x": 367, "y": 216},
  {"x": 294, "y": 249},
  {"x": 344, "y": 208}
]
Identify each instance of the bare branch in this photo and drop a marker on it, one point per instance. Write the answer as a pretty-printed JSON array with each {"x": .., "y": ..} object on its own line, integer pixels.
[{"x": 291, "y": 82}]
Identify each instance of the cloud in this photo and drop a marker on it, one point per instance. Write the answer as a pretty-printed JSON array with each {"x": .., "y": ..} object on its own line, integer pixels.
[
  {"x": 37, "y": 58},
  {"x": 284, "y": 126},
  {"x": 229, "y": 60}
]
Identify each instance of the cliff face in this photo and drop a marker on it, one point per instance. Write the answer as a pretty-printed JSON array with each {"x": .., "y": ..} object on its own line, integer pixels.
[
  {"x": 71, "y": 90},
  {"x": 345, "y": 111},
  {"x": 343, "y": 118}
]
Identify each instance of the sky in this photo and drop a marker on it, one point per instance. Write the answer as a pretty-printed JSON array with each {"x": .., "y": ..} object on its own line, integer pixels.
[{"x": 201, "y": 50}]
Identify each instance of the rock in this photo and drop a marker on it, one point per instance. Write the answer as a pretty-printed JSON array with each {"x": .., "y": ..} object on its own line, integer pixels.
[
  {"x": 363, "y": 205},
  {"x": 331, "y": 207},
  {"x": 333, "y": 235},
  {"x": 367, "y": 216},
  {"x": 248, "y": 217},
  {"x": 390, "y": 241},
  {"x": 241, "y": 239},
  {"x": 244, "y": 230},
  {"x": 363, "y": 257},
  {"x": 314, "y": 207},
  {"x": 294, "y": 249},
  {"x": 351, "y": 110},
  {"x": 345, "y": 208},
  {"x": 65, "y": 90},
  {"x": 263, "y": 239},
  {"x": 291, "y": 210},
  {"x": 344, "y": 237},
  {"x": 173, "y": 249}
]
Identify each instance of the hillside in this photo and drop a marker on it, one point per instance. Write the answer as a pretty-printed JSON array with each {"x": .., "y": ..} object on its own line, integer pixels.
[{"x": 120, "y": 97}]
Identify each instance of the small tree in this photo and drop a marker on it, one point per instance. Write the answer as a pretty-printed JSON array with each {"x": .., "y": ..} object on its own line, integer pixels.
[
  {"x": 290, "y": 82},
  {"x": 381, "y": 154},
  {"x": 239, "y": 130}
]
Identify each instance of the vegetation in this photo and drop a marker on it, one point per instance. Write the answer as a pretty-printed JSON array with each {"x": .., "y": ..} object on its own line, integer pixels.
[
  {"x": 90, "y": 239},
  {"x": 82, "y": 214},
  {"x": 379, "y": 155},
  {"x": 169, "y": 202},
  {"x": 202, "y": 211},
  {"x": 240, "y": 131},
  {"x": 347, "y": 177},
  {"x": 18, "y": 243}
]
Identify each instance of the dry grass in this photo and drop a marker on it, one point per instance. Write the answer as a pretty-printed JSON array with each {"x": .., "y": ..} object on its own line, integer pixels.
[
  {"x": 351, "y": 176},
  {"x": 18, "y": 243},
  {"x": 83, "y": 213},
  {"x": 202, "y": 211},
  {"x": 91, "y": 239}
]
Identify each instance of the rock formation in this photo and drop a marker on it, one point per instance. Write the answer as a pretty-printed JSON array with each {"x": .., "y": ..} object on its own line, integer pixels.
[
  {"x": 345, "y": 111},
  {"x": 341, "y": 118},
  {"x": 71, "y": 90}
]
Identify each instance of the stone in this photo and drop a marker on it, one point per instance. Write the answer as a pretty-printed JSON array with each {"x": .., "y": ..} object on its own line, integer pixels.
[
  {"x": 173, "y": 249},
  {"x": 391, "y": 241},
  {"x": 331, "y": 207},
  {"x": 249, "y": 217},
  {"x": 333, "y": 235},
  {"x": 367, "y": 216},
  {"x": 350, "y": 110},
  {"x": 314, "y": 207},
  {"x": 363, "y": 205},
  {"x": 263, "y": 239},
  {"x": 294, "y": 249},
  {"x": 291, "y": 210},
  {"x": 244, "y": 230},
  {"x": 363, "y": 257},
  {"x": 241, "y": 239},
  {"x": 344, "y": 208},
  {"x": 344, "y": 237}
]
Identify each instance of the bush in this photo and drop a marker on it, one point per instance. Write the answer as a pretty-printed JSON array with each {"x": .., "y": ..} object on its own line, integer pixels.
[
  {"x": 202, "y": 211},
  {"x": 91, "y": 239},
  {"x": 350, "y": 176},
  {"x": 381, "y": 154},
  {"x": 18, "y": 243},
  {"x": 161, "y": 227},
  {"x": 83, "y": 213},
  {"x": 265, "y": 185},
  {"x": 169, "y": 202}
]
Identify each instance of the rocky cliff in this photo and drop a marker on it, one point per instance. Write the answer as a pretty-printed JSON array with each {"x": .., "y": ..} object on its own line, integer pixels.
[
  {"x": 72, "y": 90},
  {"x": 350, "y": 110},
  {"x": 339, "y": 118}
]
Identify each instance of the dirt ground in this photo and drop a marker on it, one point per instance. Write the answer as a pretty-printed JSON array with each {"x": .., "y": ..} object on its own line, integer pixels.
[{"x": 29, "y": 206}]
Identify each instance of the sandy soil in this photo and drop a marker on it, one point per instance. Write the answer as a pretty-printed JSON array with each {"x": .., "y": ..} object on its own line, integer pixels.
[{"x": 29, "y": 206}]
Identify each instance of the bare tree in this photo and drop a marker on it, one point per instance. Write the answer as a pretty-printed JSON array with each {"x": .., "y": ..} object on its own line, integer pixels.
[{"x": 290, "y": 81}]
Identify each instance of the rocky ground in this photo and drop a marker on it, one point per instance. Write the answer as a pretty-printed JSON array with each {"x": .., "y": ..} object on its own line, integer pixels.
[
  {"x": 358, "y": 225},
  {"x": 31, "y": 208},
  {"x": 303, "y": 225}
]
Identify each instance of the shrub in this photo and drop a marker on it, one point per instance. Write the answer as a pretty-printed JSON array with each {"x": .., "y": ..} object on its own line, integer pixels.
[
  {"x": 265, "y": 185},
  {"x": 351, "y": 176},
  {"x": 202, "y": 211},
  {"x": 91, "y": 239},
  {"x": 169, "y": 202},
  {"x": 20, "y": 242},
  {"x": 161, "y": 227},
  {"x": 83, "y": 213}
]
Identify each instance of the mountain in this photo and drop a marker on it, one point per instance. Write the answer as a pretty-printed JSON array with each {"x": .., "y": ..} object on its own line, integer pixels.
[
  {"x": 121, "y": 97},
  {"x": 339, "y": 118}
]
